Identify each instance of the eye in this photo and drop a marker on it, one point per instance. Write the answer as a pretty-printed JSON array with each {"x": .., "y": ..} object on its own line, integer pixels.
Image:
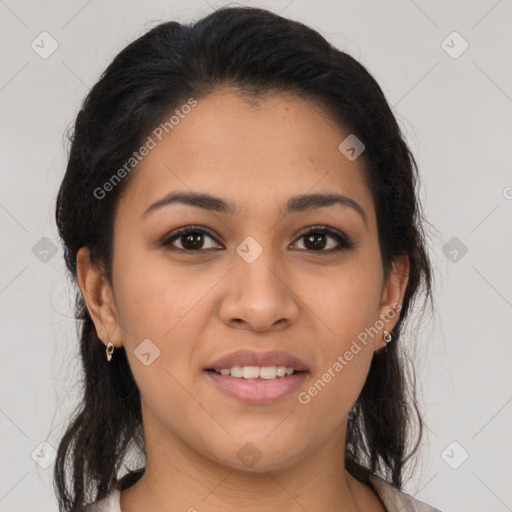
[
  {"x": 191, "y": 238},
  {"x": 315, "y": 239}
]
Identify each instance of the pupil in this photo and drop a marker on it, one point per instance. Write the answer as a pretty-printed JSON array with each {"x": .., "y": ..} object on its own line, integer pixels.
[
  {"x": 314, "y": 237},
  {"x": 192, "y": 241}
]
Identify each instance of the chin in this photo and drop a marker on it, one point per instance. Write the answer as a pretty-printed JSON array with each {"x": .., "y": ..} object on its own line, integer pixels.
[{"x": 259, "y": 456}]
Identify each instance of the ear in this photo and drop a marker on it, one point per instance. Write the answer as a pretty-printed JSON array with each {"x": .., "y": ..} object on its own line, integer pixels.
[
  {"x": 392, "y": 297},
  {"x": 99, "y": 298}
]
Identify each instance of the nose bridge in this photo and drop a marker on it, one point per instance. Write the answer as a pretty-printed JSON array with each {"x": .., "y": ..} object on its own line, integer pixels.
[
  {"x": 258, "y": 264},
  {"x": 258, "y": 293}
]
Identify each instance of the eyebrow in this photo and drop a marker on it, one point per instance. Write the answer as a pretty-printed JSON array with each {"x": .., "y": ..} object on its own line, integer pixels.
[{"x": 294, "y": 204}]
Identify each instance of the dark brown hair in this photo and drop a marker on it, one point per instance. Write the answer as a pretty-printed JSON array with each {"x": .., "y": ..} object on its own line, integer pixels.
[{"x": 257, "y": 52}]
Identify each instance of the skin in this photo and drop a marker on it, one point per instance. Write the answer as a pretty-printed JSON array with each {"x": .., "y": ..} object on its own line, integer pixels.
[{"x": 196, "y": 308}]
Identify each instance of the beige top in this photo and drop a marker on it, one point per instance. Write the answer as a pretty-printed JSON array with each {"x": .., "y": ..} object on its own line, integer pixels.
[{"x": 393, "y": 499}]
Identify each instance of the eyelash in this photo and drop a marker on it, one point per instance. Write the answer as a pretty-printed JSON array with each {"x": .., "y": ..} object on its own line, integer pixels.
[{"x": 344, "y": 242}]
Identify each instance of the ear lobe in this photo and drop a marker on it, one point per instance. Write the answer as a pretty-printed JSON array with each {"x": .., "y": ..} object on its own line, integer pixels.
[{"x": 98, "y": 296}]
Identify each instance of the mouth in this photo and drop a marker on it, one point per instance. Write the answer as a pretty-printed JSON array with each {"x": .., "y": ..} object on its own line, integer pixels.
[
  {"x": 253, "y": 364},
  {"x": 257, "y": 390},
  {"x": 256, "y": 377},
  {"x": 257, "y": 372}
]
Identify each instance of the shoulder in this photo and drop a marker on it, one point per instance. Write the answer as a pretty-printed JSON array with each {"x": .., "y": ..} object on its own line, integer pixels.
[
  {"x": 396, "y": 500},
  {"x": 112, "y": 503}
]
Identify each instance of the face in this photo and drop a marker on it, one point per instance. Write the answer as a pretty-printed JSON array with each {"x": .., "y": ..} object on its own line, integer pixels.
[{"x": 248, "y": 279}]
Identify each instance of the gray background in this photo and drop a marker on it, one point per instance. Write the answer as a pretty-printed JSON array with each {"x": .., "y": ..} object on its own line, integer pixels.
[{"x": 455, "y": 110}]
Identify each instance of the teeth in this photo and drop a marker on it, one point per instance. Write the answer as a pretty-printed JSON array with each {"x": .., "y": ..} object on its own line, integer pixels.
[{"x": 255, "y": 372}]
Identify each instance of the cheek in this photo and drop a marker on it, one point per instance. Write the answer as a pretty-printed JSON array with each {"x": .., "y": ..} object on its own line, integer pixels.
[
  {"x": 162, "y": 315},
  {"x": 343, "y": 302},
  {"x": 153, "y": 297},
  {"x": 162, "y": 311},
  {"x": 326, "y": 401},
  {"x": 344, "y": 307},
  {"x": 343, "y": 314}
]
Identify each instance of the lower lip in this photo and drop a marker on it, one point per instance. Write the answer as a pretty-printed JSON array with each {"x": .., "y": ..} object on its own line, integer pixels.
[{"x": 257, "y": 391}]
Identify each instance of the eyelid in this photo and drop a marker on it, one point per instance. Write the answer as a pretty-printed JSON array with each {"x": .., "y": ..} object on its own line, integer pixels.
[
  {"x": 176, "y": 233},
  {"x": 344, "y": 242}
]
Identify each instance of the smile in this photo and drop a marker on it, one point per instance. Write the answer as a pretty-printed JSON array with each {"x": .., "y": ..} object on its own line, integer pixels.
[{"x": 257, "y": 390}]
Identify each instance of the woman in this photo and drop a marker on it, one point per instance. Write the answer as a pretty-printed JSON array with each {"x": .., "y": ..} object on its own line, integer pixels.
[{"x": 240, "y": 216}]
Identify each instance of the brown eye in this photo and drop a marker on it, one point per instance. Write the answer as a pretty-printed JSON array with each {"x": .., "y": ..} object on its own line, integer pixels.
[
  {"x": 316, "y": 240},
  {"x": 191, "y": 239}
]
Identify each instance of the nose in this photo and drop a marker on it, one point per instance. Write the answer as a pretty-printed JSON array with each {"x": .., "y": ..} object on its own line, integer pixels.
[{"x": 260, "y": 296}]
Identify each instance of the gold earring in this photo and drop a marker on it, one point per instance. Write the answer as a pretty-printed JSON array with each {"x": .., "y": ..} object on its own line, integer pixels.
[
  {"x": 387, "y": 337},
  {"x": 109, "y": 350}
]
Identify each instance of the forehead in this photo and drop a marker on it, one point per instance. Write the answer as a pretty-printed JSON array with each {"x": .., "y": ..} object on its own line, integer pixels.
[{"x": 256, "y": 153}]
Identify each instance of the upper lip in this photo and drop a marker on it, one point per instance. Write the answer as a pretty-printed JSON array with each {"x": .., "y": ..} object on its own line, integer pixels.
[{"x": 258, "y": 358}]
